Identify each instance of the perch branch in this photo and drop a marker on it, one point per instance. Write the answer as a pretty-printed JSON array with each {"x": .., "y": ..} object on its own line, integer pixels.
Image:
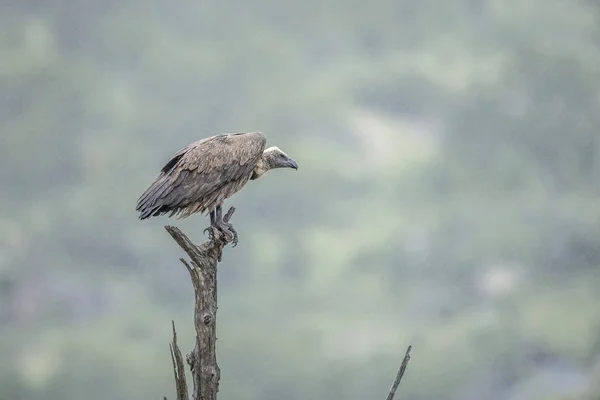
[
  {"x": 400, "y": 374},
  {"x": 203, "y": 273}
]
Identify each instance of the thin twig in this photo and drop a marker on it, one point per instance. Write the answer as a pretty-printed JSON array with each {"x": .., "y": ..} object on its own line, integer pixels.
[
  {"x": 400, "y": 374},
  {"x": 229, "y": 214},
  {"x": 178, "y": 369}
]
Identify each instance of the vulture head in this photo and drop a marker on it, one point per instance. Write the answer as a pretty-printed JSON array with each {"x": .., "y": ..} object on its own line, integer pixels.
[{"x": 272, "y": 158}]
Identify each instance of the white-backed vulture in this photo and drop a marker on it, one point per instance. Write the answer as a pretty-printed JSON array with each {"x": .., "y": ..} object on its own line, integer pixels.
[{"x": 202, "y": 175}]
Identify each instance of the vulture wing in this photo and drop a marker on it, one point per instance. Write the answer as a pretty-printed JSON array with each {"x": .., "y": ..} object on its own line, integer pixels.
[{"x": 202, "y": 174}]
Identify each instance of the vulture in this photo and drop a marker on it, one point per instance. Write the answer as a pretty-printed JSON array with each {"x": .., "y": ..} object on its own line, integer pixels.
[{"x": 202, "y": 175}]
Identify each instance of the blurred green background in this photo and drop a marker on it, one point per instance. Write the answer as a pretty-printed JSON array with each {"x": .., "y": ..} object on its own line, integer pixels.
[{"x": 448, "y": 196}]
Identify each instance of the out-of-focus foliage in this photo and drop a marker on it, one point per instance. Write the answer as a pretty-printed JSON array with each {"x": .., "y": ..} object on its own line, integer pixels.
[{"x": 448, "y": 196}]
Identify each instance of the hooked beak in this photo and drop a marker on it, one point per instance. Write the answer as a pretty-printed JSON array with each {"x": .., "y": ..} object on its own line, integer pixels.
[{"x": 292, "y": 163}]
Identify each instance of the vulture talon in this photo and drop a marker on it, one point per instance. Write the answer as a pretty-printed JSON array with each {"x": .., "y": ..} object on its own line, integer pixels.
[
  {"x": 226, "y": 233},
  {"x": 231, "y": 230},
  {"x": 211, "y": 232}
]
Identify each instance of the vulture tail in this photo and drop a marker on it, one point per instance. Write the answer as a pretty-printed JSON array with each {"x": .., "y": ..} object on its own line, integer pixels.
[{"x": 149, "y": 203}]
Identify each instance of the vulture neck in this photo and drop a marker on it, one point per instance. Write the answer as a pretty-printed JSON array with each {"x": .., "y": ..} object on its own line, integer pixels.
[{"x": 261, "y": 167}]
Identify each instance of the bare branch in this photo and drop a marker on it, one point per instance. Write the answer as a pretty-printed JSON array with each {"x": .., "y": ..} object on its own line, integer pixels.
[
  {"x": 400, "y": 374},
  {"x": 178, "y": 369},
  {"x": 229, "y": 214}
]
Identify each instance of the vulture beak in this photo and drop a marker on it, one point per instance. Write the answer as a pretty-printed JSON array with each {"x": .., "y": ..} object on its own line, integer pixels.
[{"x": 292, "y": 164}]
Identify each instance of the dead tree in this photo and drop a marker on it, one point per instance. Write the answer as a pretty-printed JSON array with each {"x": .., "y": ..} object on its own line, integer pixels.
[{"x": 202, "y": 360}]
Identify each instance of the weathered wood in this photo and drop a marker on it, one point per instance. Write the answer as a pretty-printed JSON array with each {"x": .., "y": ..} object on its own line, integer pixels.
[
  {"x": 203, "y": 273},
  {"x": 399, "y": 374},
  {"x": 178, "y": 369}
]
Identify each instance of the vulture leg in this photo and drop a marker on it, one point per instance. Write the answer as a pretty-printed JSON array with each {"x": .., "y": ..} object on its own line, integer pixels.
[
  {"x": 213, "y": 225},
  {"x": 213, "y": 218},
  {"x": 226, "y": 227},
  {"x": 218, "y": 215}
]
